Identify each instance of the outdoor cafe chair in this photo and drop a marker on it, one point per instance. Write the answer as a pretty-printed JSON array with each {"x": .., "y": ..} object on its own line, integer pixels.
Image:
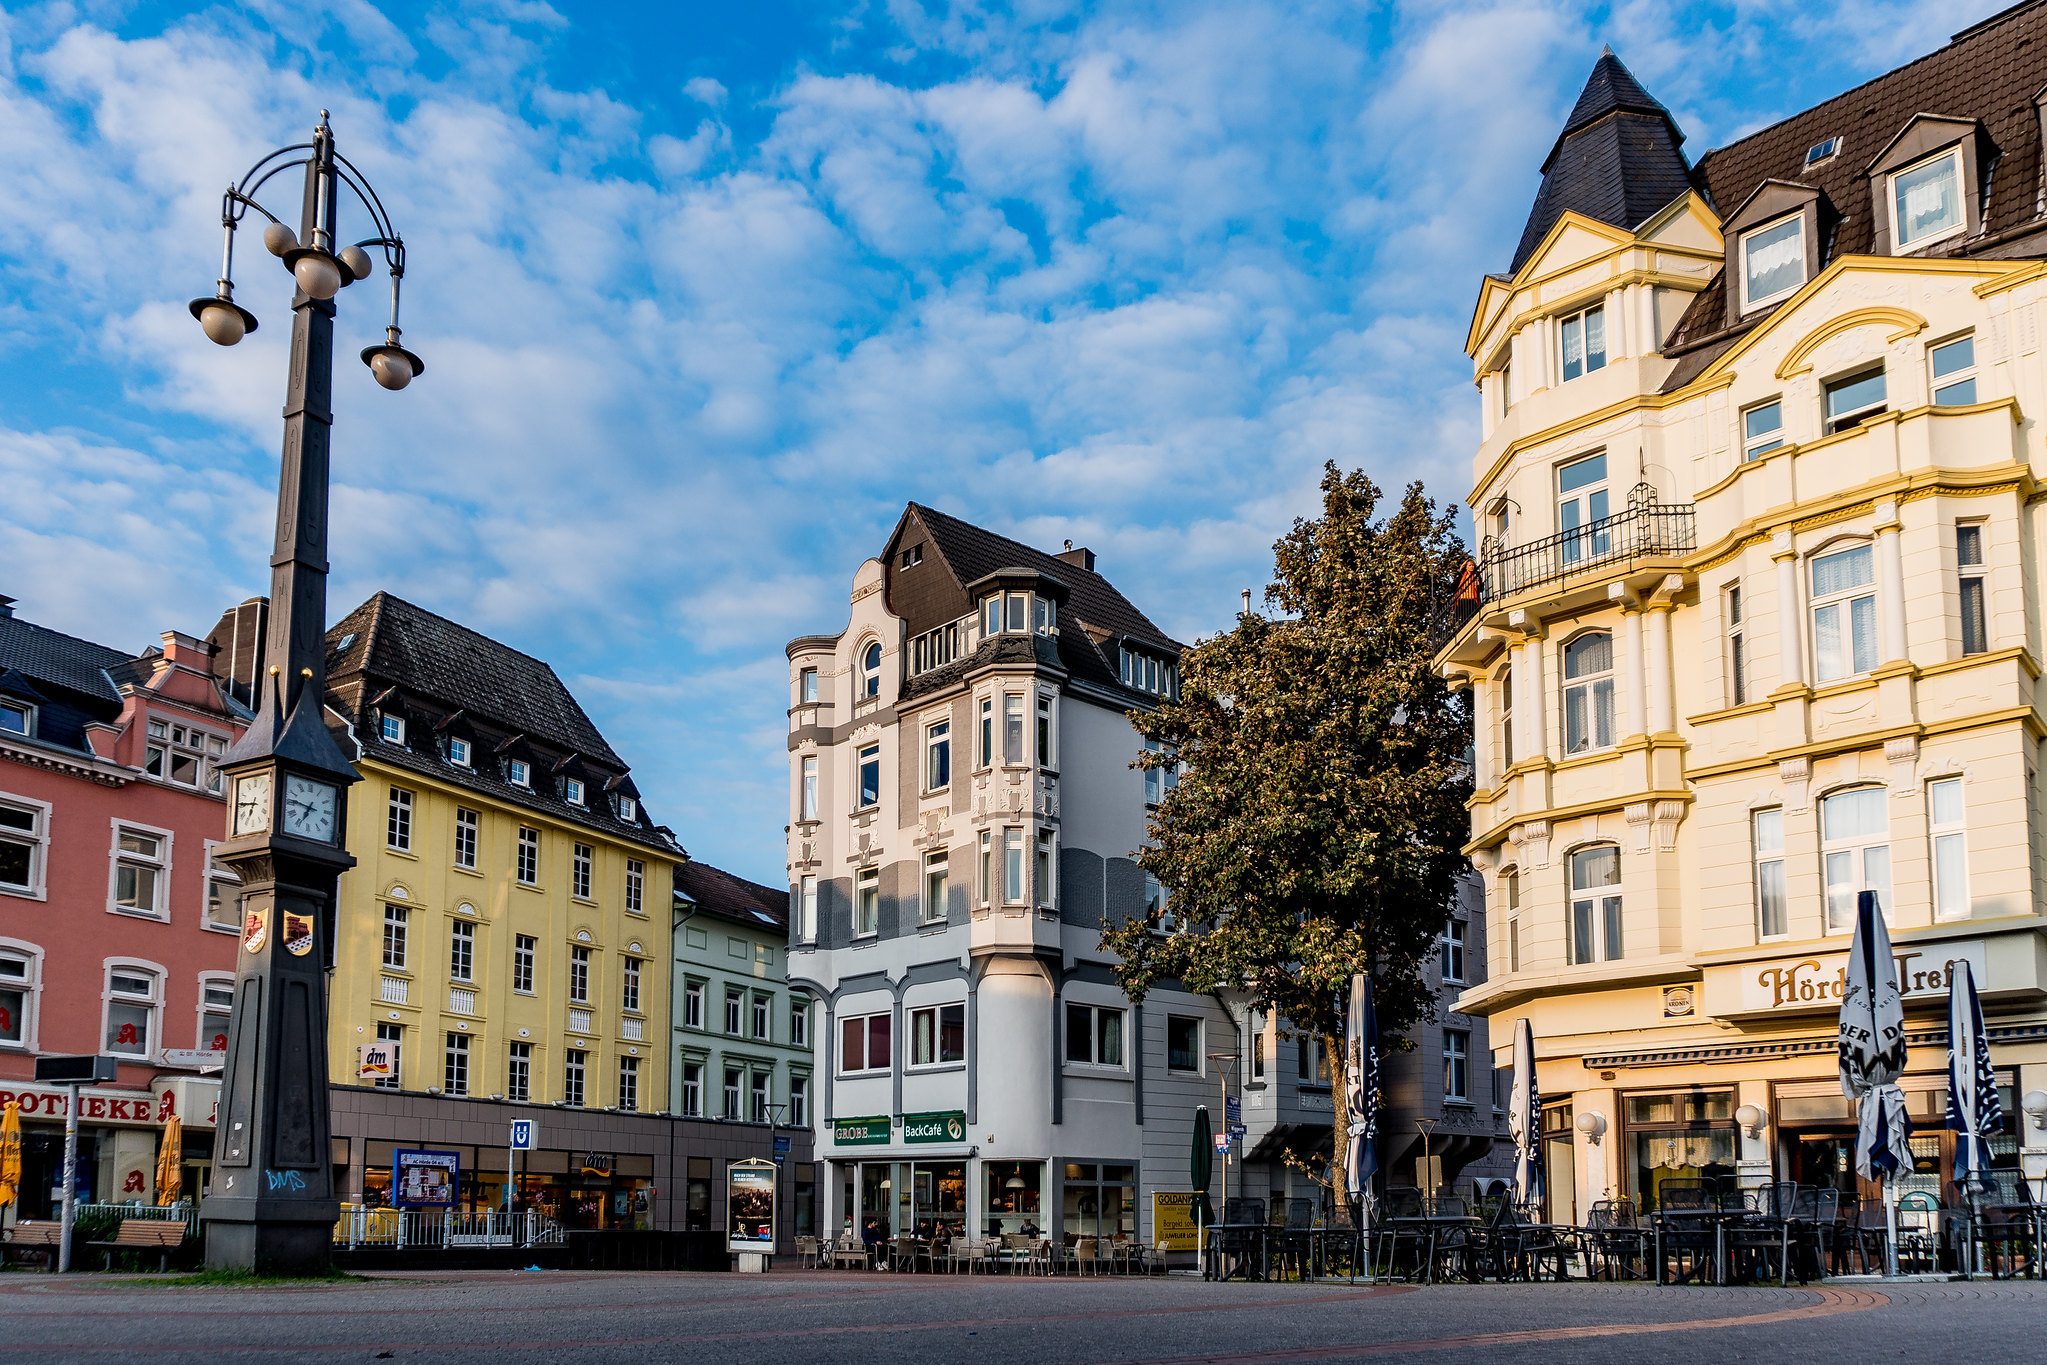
[
  {"x": 1401, "y": 1226},
  {"x": 1615, "y": 1244},
  {"x": 1762, "y": 1234},
  {"x": 1241, "y": 1239},
  {"x": 1086, "y": 1255},
  {"x": 1018, "y": 1249},
  {"x": 2002, "y": 1219},
  {"x": 1919, "y": 1230},
  {"x": 1687, "y": 1225},
  {"x": 809, "y": 1254}
]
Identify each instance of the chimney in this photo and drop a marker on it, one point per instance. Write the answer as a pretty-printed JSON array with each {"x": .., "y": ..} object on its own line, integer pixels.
[
  {"x": 6, "y": 606},
  {"x": 1080, "y": 558},
  {"x": 184, "y": 651}
]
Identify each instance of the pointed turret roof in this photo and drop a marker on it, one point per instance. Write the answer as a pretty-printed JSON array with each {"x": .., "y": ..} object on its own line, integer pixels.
[{"x": 1616, "y": 161}]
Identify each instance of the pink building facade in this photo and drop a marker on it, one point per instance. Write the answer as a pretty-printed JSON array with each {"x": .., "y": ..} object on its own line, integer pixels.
[{"x": 117, "y": 934}]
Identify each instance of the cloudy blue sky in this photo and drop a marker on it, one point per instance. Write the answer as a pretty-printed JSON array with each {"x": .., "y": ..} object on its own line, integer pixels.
[{"x": 708, "y": 290}]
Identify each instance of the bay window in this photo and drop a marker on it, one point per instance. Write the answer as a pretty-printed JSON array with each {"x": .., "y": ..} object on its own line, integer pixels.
[
  {"x": 1582, "y": 337},
  {"x": 1588, "y": 693},
  {"x": 1843, "y": 613},
  {"x": 1595, "y": 904}
]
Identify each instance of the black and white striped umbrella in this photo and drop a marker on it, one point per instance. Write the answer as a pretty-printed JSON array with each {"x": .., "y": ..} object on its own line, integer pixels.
[
  {"x": 1872, "y": 1045},
  {"x": 1524, "y": 1118},
  {"x": 1361, "y": 1071},
  {"x": 1973, "y": 1108}
]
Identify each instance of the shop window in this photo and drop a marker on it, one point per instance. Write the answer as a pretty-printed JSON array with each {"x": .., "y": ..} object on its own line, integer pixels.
[
  {"x": 938, "y": 1035},
  {"x": 1094, "y": 1035},
  {"x": 1946, "y": 828},
  {"x": 696, "y": 1206},
  {"x": 142, "y": 866},
  {"x": 1014, "y": 1191},
  {"x": 1183, "y": 1043},
  {"x": 1595, "y": 904},
  {"x": 864, "y": 1044},
  {"x": 19, "y": 976},
  {"x": 1855, "y": 852},
  {"x": 134, "y": 995},
  {"x": 1688, "y": 1135},
  {"x": 24, "y": 836},
  {"x": 1099, "y": 1201}
]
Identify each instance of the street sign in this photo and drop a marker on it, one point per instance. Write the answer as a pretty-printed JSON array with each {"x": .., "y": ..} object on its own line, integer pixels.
[
  {"x": 76, "y": 1070},
  {"x": 524, "y": 1133},
  {"x": 1233, "y": 1112},
  {"x": 1222, "y": 1143},
  {"x": 1236, "y": 1132},
  {"x": 194, "y": 1059},
  {"x": 781, "y": 1147}
]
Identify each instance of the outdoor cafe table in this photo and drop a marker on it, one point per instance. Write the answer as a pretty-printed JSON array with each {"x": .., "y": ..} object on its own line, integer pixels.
[
  {"x": 1430, "y": 1229},
  {"x": 1667, "y": 1221},
  {"x": 1248, "y": 1241}
]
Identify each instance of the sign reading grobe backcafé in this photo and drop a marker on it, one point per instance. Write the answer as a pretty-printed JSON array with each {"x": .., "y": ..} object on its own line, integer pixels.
[
  {"x": 861, "y": 1132},
  {"x": 945, "y": 1126},
  {"x": 1816, "y": 982}
]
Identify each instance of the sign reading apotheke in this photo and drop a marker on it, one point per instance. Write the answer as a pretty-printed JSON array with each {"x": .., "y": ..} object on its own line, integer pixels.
[
  {"x": 861, "y": 1132},
  {"x": 949, "y": 1125},
  {"x": 1817, "y": 982}
]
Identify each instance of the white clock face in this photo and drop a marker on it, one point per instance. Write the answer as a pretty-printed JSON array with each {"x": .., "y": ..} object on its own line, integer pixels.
[
  {"x": 252, "y": 803},
  {"x": 309, "y": 808}
]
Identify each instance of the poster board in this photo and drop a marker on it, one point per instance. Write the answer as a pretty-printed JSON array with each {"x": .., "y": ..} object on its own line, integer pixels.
[
  {"x": 1172, "y": 1220},
  {"x": 750, "y": 1206},
  {"x": 423, "y": 1179}
]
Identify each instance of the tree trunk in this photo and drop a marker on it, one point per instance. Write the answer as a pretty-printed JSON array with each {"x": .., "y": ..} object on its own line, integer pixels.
[{"x": 1336, "y": 1059}]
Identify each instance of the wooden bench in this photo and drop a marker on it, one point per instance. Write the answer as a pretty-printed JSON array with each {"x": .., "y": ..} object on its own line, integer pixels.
[
  {"x": 162, "y": 1236},
  {"x": 33, "y": 1239}
]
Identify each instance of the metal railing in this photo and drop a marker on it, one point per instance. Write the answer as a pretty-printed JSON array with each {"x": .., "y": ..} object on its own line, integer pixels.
[
  {"x": 180, "y": 1212},
  {"x": 1648, "y": 527},
  {"x": 430, "y": 1228}
]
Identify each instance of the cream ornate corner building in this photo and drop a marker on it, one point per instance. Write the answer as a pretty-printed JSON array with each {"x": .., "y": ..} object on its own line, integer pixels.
[{"x": 1759, "y": 503}]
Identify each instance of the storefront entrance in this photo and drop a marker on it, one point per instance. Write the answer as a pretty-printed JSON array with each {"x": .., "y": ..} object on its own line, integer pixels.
[{"x": 907, "y": 1198}]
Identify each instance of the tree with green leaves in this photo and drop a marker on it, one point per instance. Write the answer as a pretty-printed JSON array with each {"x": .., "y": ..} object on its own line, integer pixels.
[{"x": 1315, "y": 827}]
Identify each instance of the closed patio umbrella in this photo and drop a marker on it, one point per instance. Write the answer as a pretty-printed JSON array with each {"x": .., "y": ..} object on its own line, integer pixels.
[
  {"x": 1973, "y": 1108},
  {"x": 1361, "y": 1096},
  {"x": 170, "y": 1162},
  {"x": 1524, "y": 1118},
  {"x": 1872, "y": 1049},
  {"x": 1201, "y": 1166},
  {"x": 10, "y": 1153}
]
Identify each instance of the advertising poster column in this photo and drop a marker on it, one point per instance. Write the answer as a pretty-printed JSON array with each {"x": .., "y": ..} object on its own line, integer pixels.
[{"x": 750, "y": 1212}]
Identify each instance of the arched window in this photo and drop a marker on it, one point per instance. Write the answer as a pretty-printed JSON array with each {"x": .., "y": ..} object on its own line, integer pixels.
[
  {"x": 1596, "y": 904},
  {"x": 1588, "y": 693},
  {"x": 1504, "y": 685},
  {"x": 1855, "y": 851},
  {"x": 870, "y": 669}
]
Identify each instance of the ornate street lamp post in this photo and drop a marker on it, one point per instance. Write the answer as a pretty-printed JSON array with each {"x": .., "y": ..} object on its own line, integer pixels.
[{"x": 271, "y": 1207}]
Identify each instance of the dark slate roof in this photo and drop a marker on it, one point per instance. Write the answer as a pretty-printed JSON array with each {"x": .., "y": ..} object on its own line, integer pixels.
[
  {"x": 718, "y": 892},
  {"x": 1617, "y": 160},
  {"x": 395, "y": 641},
  {"x": 1990, "y": 72},
  {"x": 46, "y": 656}
]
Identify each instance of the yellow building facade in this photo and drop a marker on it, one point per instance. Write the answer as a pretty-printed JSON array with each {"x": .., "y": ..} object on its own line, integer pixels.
[{"x": 1759, "y": 497}]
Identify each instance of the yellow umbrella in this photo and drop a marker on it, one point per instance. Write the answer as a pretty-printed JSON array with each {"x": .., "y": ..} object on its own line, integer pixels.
[
  {"x": 170, "y": 1166},
  {"x": 10, "y": 1153}
]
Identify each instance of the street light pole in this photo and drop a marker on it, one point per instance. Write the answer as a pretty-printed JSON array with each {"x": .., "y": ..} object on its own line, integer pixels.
[{"x": 271, "y": 1207}]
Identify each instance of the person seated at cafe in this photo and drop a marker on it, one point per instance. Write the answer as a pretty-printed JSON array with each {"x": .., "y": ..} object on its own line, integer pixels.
[
  {"x": 1030, "y": 1228},
  {"x": 872, "y": 1237}
]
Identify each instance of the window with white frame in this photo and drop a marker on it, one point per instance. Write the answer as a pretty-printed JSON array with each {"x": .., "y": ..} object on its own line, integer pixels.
[
  {"x": 1582, "y": 507},
  {"x": 16, "y": 717},
  {"x": 1045, "y": 868},
  {"x": 1762, "y": 429},
  {"x": 572, "y": 790},
  {"x": 629, "y": 1083},
  {"x": 1926, "y": 201},
  {"x": 806, "y": 909},
  {"x": 938, "y": 756},
  {"x": 693, "y": 1005},
  {"x": 1953, "y": 366},
  {"x": 762, "y": 1016},
  {"x": 735, "y": 1084},
  {"x": 1183, "y": 1043},
  {"x": 1772, "y": 261},
  {"x": 866, "y": 901},
  {"x": 223, "y": 895},
  {"x": 1588, "y": 693},
  {"x": 758, "y": 1094},
  {"x": 574, "y": 1063},
  {"x": 1855, "y": 398},
  {"x": 398, "y": 821},
  {"x": 869, "y": 794},
  {"x": 134, "y": 995},
  {"x": 799, "y": 1101},
  {"x": 1013, "y": 865},
  {"x": 629, "y": 809},
  {"x": 455, "y": 1064},
  {"x": 1843, "y": 613},
  {"x": 987, "y": 732},
  {"x": 1048, "y": 736},
  {"x": 1737, "y": 645},
  {"x": 392, "y": 1036},
  {"x": 184, "y": 754},
  {"x": 806, "y": 808},
  {"x": 1503, "y": 688},
  {"x": 1510, "y": 901},
  {"x": 1454, "y": 945},
  {"x": 1457, "y": 1065},
  {"x": 142, "y": 866},
  {"x": 987, "y": 868},
  {"x": 1044, "y": 615},
  {"x": 1946, "y": 829},
  {"x": 1311, "y": 1062},
  {"x": 519, "y": 772},
  {"x": 467, "y": 823},
  {"x": 991, "y": 615},
  {"x": 936, "y": 867},
  {"x": 735, "y": 1010},
  {"x": 580, "y": 858},
  {"x": 395, "y": 917},
  {"x": 693, "y": 1090},
  {"x": 864, "y": 1043},
  {"x": 459, "y": 751},
  {"x": 391, "y": 728},
  {"x": 635, "y": 886},
  {"x": 1969, "y": 586},
  {"x": 20, "y": 973},
  {"x": 806, "y": 685},
  {"x": 1582, "y": 338},
  {"x": 1595, "y": 904},
  {"x": 1147, "y": 672},
  {"x": 1012, "y": 727},
  {"x": 525, "y": 948},
  {"x": 870, "y": 669},
  {"x": 938, "y": 1035},
  {"x": 216, "y": 1011},
  {"x": 1094, "y": 1035},
  {"x": 799, "y": 1022},
  {"x": 461, "y": 951},
  {"x": 579, "y": 975},
  {"x": 1766, "y": 835},
  {"x": 519, "y": 1073},
  {"x": 1855, "y": 852},
  {"x": 528, "y": 870},
  {"x": 1161, "y": 775}
]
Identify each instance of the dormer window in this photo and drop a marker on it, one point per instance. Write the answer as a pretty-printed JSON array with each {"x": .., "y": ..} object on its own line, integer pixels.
[
  {"x": 1772, "y": 262},
  {"x": 572, "y": 790},
  {"x": 16, "y": 718},
  {"x": 912, "y": 557},
  {"x": 392, "y": 728},
  {"x": 628, "y": 809},
  {"x": 519, "y": 772},
  {"x": 1926, "y": 201},
  {"x": 870, "y": 670},
  {"x": 1149, "y": 673},
  {"x": 458, "y": 751},
  {"x": 1046, "y": 614}
]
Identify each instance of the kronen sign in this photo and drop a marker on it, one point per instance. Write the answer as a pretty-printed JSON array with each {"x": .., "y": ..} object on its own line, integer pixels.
[{"x": 1817, "y": 982}]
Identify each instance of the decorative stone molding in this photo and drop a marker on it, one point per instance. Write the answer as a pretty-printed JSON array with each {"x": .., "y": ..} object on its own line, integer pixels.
[
  {"x": 1638, "y": 816},
  {"x": 1532, "y": 839},
  {"x": 1902, "y": 753},
  {"x": 1664, "y": 822},
  {"x": 1796, "y": 776}
]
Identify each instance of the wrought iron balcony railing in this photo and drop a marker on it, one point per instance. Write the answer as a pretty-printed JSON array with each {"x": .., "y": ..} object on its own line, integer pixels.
[{"x": 1648, "y": 527}]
